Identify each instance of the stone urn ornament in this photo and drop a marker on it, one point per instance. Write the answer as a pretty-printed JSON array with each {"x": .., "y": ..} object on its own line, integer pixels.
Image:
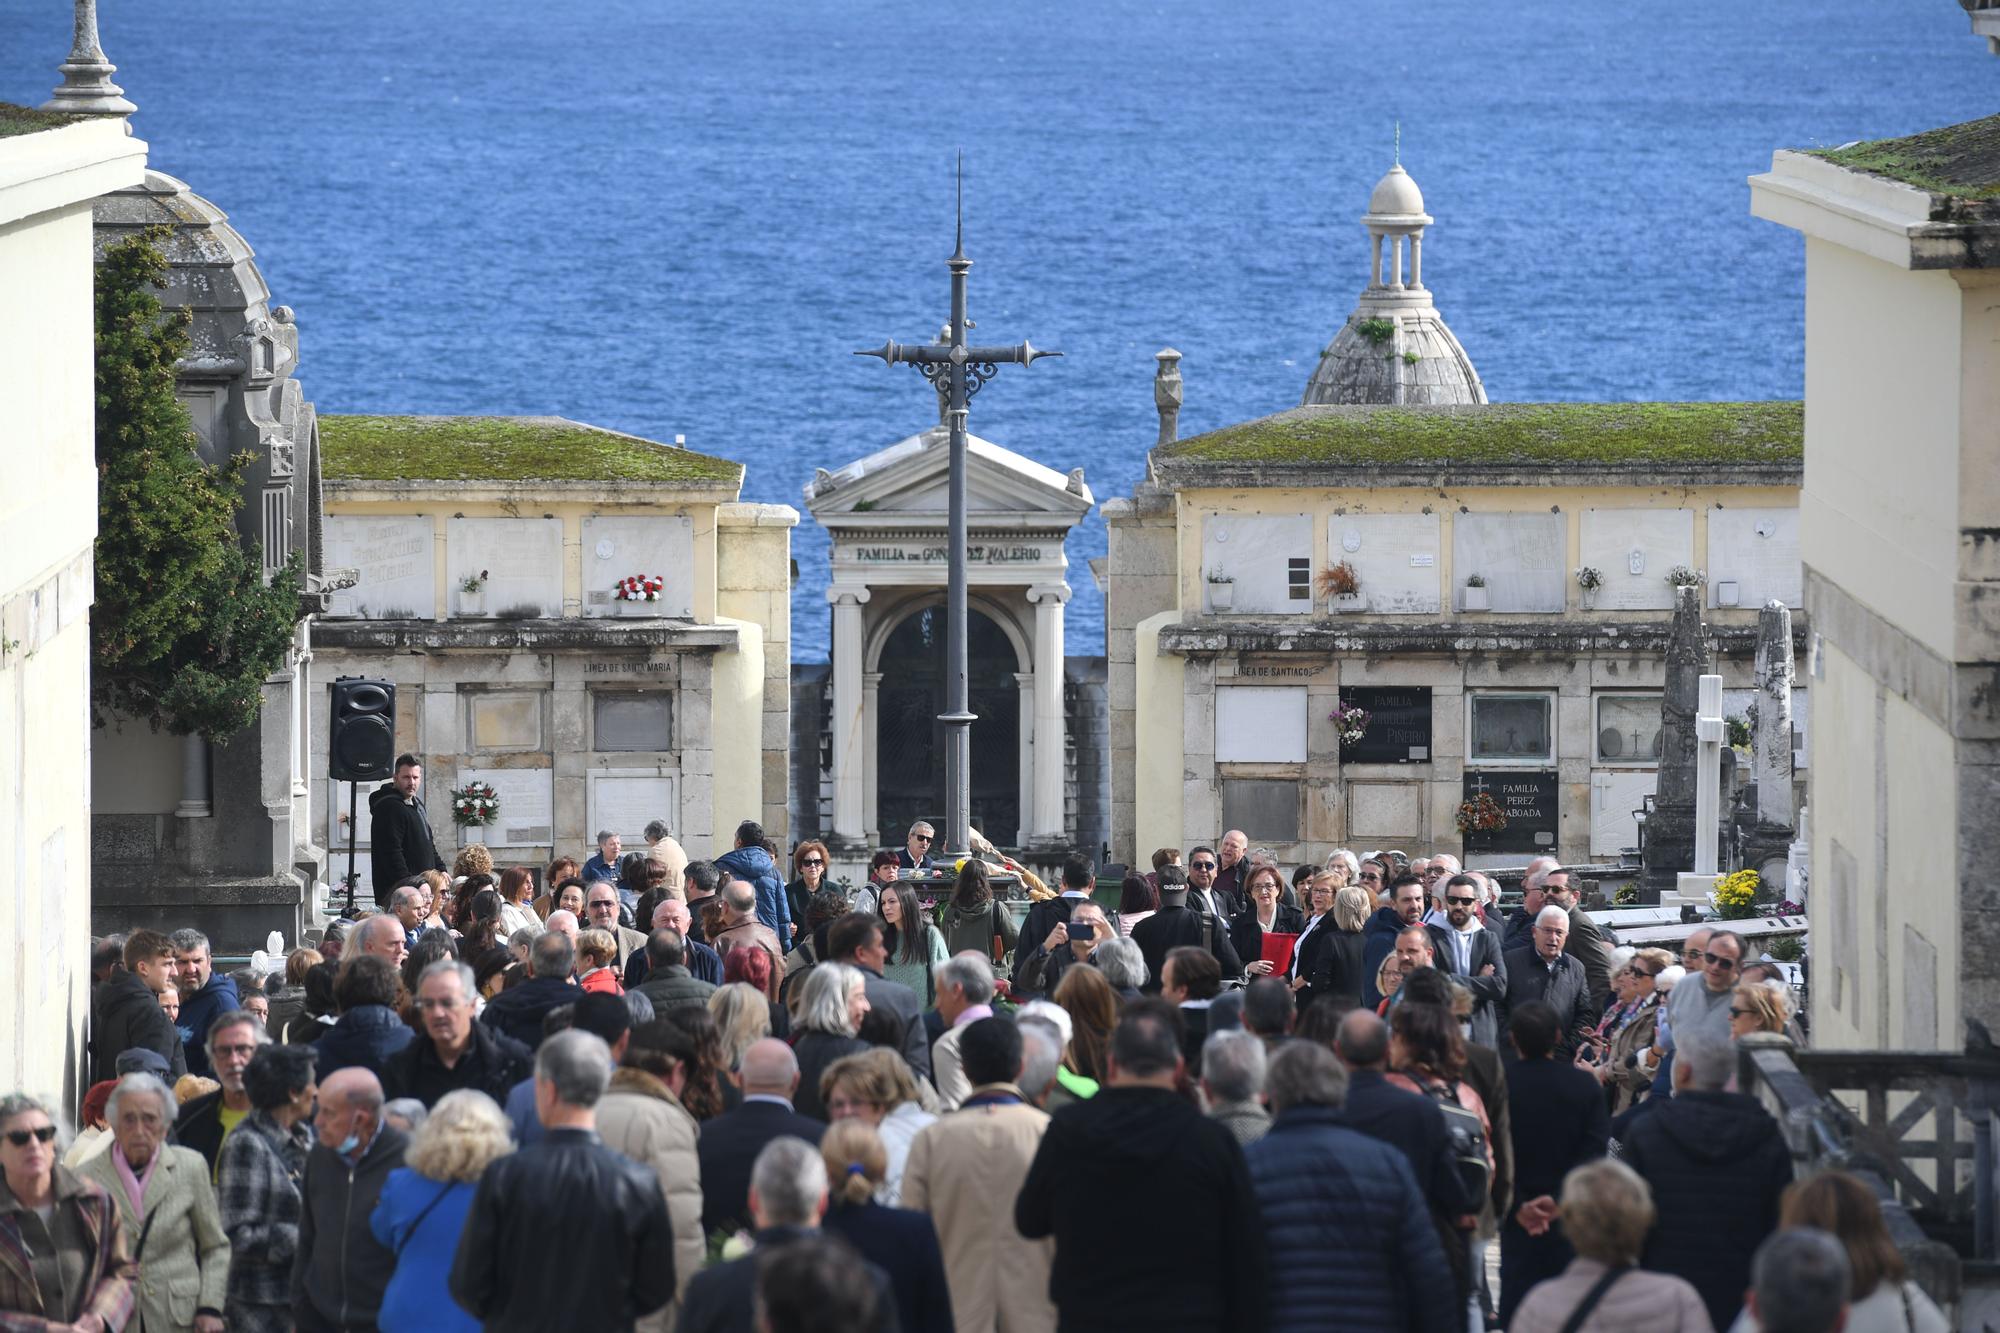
[
  {"x": 1588, "y": 581},
  {"x": 472, "y": 594},
  {"x": 1221, "y": 590}
]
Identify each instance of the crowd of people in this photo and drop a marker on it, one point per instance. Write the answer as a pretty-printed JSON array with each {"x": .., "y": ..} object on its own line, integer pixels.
[{"x": 1240, "y": 1099}]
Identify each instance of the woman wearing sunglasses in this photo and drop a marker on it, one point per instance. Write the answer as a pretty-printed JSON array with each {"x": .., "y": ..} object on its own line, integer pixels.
[
  {"x": 808, "y": 873},
  {"x": 62, "y": 1249}
]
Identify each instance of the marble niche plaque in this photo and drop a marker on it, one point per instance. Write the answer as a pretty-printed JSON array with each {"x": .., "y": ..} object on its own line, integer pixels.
[
  {"x": 621, "y": 547},
  {"x": 395, "y": 557},
  {"x": 1632, "y": 549},
  {"x": 1268, "y": 555},
  {"x": 1395, "y": 558},
  {"x": 1520, "y": 555},
  {"x": 527, "y": 807},
  {"x": 1260, "y": 724},
  {"x": 626, "y": 800},
  {"x": 522, "y": 557},
  {"x": 1758, "y": 551}
]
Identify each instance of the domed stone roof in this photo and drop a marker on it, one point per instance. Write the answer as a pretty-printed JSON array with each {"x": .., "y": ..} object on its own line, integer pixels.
[{"x": 1395, "y": 347}]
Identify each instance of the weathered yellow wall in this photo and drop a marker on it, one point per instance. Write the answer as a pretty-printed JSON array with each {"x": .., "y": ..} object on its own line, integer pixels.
[
  {"x": 1159, "y": 760},
  {"x": 753, "y": 560},
  {"x": 736, "y": 693}
]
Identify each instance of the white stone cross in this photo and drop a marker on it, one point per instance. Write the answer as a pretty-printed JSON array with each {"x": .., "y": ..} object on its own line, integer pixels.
[{"x": 1708, "y": 729}]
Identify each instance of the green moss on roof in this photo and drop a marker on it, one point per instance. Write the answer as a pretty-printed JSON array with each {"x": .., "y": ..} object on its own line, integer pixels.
[
  {"x": 1504, "y": 434},
  {"x": 26, "y": 120},
  {"x": 505, "y": 449},
  {"x": 1962, "y": 161}
]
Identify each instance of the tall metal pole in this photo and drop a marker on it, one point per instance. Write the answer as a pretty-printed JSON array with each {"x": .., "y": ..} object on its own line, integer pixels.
[
  {"x": 958, "y": 716},
  {"x": 958, "y": 371}
]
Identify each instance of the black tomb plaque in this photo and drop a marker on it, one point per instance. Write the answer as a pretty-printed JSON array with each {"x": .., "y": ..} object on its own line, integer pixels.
[
  {"x": 1529, "y": 800},
  {"x": 1399, "y": 725}
]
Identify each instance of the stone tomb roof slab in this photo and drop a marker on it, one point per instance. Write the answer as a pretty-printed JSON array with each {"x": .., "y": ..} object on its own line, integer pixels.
[
  {"x": 365, "y": 453},
  {"x": 904, "y": 486}
]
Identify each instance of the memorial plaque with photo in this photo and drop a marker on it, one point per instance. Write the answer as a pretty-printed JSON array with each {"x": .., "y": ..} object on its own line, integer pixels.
[
  {"x": 1531, "y": 802},
  {"x": 1399, "y": 725},
  {"x": 527, "y": 807}
]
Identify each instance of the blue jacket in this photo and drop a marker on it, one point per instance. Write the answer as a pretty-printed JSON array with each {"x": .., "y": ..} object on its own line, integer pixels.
[
  {"x": 755, "y": 865},
  {"x": 366, "y": 1035},
  {"x": 1346, "y": 1225},
  {"x": 424, "y": 1244},
  {"x": 199, "y": 1010}
]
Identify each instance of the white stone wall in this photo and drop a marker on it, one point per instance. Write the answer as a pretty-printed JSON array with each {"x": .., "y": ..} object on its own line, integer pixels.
[{"x": 48, "y": 505}]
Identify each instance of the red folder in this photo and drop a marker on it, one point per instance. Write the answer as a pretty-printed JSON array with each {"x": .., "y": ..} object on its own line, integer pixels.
[{"x": 1278, "y": 949}]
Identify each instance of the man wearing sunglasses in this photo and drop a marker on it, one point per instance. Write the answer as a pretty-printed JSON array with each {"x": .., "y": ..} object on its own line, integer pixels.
[
  {"x": 1701, "y": 1004},
  {"x": 916, "y": 853},
  {"x": 1475, "y": 956}
]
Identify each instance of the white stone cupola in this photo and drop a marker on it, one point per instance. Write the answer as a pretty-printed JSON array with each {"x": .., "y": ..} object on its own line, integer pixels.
[{"x": 1395, "y": 347}]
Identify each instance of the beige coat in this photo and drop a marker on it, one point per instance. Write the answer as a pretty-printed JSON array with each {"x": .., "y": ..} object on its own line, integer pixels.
[
  {"x": 965, "y": 1171},
  {"x": 641, "y": 1118},
  {"x": 185, "y": 1264}
]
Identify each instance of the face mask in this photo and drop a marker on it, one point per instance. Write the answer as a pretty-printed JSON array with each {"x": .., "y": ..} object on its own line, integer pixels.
[{"x": 348, "y": 1144}]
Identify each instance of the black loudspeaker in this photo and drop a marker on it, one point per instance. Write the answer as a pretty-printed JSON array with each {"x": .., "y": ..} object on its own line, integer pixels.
[{"x": 361, "y": 742}]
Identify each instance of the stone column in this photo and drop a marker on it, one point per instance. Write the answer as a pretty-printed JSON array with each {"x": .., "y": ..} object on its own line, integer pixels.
[
  {"x": 1024, "y": 693},
  {"x": 195, "y": 800},
  {"x": 1167, "y": 391},
  {"x": 1773, "y": 740},
  {"x": 871, "y": 748},
  {"x": 848, "y": 738},
  {"x": 1046, "y": 823}
]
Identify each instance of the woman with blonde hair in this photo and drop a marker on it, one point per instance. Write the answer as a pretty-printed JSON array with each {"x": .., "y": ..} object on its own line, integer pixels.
[
  {"x": 423, "y": 1206},
  {"x": 742, "y": 1016},
  {"x": 1884, "y": 1300},
  {"x": 1756, "y": 1006},
  {"x": 877, "y": 1088},
  {"x": 472, "y": 859},
  {"x": 1606, "y": 1211},
  {"x": 596, "y": 951},
  {"x": 900, "y": 1241},
  {"x": 1326, "y": 962},
  {"x": 1632, "y": 1033}
]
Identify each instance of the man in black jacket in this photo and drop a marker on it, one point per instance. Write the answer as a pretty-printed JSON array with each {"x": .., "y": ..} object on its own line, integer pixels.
[
  {"x": 1408, "y": 1120},
  {"x": 340, "y": 1270},
  {"x": 1474, "y": 954},
  {"x": 567, "y": 1185},
  {"x": 788, "y": 1196},
  {"x": 399, "y": 832},
  {"x": 1079, "y": 877},
  {"x": 518, "y": 1011},
  {"x": 1717, "y": 1163},
  {"x": 126, "y": 1013},
  {"x": 1114, "y": 1167},
  {"x": 1543, "y": 971},
  {"x": 729, "y": 1144},
  {"x": 454, "y": 1052},
  {"x": 1177, "y": 924},
  {"x": 856, "y": 939}
]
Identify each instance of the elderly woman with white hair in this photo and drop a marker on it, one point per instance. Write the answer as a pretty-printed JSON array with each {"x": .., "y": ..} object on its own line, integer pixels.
[
  {"x": 832, "y": 1003},
  {"x": 167, "y": 1205},
  {"x": 421, "y": 1213},
  {"x": 67, "y": 1262}
]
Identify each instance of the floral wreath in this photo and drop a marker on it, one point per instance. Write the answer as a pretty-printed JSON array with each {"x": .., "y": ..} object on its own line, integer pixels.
[{"x": 475, "y": 803}]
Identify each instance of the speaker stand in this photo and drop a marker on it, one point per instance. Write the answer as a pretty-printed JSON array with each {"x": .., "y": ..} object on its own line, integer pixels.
[{"x": 352, "y": 879}]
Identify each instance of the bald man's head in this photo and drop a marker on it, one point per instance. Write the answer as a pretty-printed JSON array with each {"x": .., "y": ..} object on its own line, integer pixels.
[
  {"x": 564, "y": 922},
  {"x": 350, "y": 1111},
  {"x": 1362, "y": 1040},
  {"x": 770, "y": 1068}
]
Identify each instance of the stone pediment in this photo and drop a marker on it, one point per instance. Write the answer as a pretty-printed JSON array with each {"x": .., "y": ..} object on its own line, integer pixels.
[{"x": 905, "y": 486}]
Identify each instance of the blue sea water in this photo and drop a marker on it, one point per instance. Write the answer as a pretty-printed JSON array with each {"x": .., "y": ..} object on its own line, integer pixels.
[{"x": 675, "y": 218}]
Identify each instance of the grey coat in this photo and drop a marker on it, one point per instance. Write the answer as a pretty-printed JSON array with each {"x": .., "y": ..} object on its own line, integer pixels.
[{"x": 184, "y": 1267}]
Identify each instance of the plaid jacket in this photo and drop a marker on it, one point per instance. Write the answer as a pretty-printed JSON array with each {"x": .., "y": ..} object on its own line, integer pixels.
[
  {"x": 258, "y": 1190},
  {"x": 111, "y": 1272}
]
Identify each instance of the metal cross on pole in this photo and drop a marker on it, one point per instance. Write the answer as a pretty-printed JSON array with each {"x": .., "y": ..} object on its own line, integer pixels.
[{"x": 957, "y": 371}]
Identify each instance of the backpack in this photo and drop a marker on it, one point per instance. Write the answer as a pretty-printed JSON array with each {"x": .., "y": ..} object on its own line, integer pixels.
[{"x": 1465, "y": 1132}]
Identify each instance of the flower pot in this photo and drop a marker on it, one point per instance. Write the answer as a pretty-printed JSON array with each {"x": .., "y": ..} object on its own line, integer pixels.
[
  {"x": 1346, "y": 603},
  {"x": 635, "y": 607},
  {"x": 1221, "y": 596},
  {"x": 1586, "y": 598},
  {"x": 472, "y": 603},
  {"x": 1727, "y": 593},
  {"x": 1475, "y": 599}
]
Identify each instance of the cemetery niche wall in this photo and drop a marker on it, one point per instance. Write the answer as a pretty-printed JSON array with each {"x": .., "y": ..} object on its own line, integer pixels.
[
  {"x": 1485, "y": 658},
  {"x": 588, "y": 621}
]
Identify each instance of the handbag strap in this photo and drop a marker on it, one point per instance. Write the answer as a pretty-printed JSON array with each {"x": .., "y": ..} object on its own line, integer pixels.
[
  {"x": 1591, "y": 1298},
  {"x": 418, "y": 1220}
]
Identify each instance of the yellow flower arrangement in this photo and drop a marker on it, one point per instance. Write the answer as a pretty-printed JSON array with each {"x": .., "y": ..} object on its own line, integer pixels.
[{"x": 1736, "y": 895}]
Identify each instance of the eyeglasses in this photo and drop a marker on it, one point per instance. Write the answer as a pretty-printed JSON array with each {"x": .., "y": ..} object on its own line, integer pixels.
[
  {"x": 920, "y": 837},
  {"x": 1368, "y": 875},
  {"x": 19, "y": 1137},
  {"x": 1201, "y": 865},
  {"x": 1734, "y": 1012},
  {"x": 1461, "y": 902},
  {"x": 1722, "y": 961},
  {"x": 813, "y": 861},
  {"x": 607, "y": 904},
  {"x": 245, "y": 1049}
]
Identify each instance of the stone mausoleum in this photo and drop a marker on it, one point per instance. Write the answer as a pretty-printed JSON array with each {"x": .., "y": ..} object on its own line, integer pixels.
[
  {"x": 1485, "y": 664},
  {"x": 1036, "y": 780},
  {"x": 488, "y": 552}
]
